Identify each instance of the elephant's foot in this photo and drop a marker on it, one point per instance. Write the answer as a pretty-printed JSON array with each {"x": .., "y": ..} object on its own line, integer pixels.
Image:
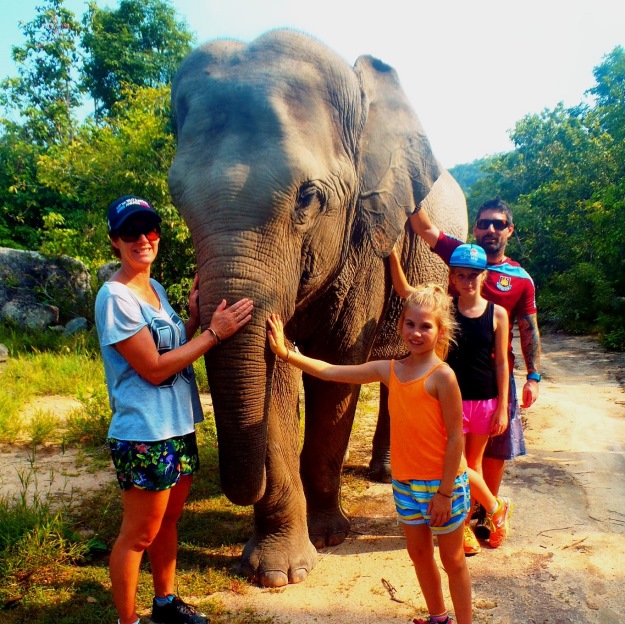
[
  {"x": 380, "y": 471},
  {"x": 380, "y": 464},
  {"x": 275, "y": 560},
  {"x": 327, "y": 528}
]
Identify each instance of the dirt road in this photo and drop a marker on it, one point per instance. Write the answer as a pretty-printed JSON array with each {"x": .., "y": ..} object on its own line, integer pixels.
[{"x": 565, "y": 559}]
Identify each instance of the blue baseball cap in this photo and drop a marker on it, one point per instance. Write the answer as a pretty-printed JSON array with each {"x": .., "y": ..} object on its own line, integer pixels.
[
  {"x": 468, "y": 256},
  {"x": 127, "y": 206}
]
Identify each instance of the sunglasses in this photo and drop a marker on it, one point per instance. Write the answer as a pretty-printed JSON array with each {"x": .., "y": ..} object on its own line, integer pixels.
[
  {"x": 498, "y": 224},
  {"x": 132, "y": 233}
]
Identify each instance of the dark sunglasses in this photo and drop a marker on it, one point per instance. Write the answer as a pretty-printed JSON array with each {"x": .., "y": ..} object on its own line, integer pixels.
[
  {"x": 132, "y": 233},
  {"x": 498, "y": 224}
]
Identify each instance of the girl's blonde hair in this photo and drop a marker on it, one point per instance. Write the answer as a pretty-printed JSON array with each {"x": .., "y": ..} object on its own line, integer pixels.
[{"x": 433, "y": 297}]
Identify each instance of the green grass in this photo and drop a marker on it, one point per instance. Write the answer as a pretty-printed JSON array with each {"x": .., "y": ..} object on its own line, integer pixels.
[
  {"x": 44, "y": 364},
  {"x": 54, "y": 561}
]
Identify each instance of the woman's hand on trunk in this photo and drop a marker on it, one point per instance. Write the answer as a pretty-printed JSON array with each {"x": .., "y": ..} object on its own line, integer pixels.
[{"x": 228, "y": 320}]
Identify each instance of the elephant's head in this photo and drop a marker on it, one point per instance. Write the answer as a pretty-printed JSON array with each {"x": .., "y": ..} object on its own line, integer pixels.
[{"x": 289, "y": 165}]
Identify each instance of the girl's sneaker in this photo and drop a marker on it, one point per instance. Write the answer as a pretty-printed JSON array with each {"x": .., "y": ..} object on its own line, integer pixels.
[
  {"x": 431, "y": 621},
  {"x": 499, "y": 522},
  {"x": 471, "y": 545}
]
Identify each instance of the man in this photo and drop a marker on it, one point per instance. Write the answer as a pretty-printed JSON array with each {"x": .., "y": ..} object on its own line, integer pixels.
[{"x": 510, "y": 286}]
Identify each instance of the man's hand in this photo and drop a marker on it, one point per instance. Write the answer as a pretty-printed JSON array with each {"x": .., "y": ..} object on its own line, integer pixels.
[
  {"x": 530, "y": 346},
  {"x": 530, "y": 393}
]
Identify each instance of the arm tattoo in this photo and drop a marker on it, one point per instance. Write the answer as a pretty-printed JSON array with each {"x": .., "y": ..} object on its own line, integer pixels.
[{"x": 530, "y": 341}]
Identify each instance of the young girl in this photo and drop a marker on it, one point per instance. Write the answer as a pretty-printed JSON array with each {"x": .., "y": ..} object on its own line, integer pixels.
[
  {"x": 480, "y": 362},
  {"x": 430, "y": 484}
]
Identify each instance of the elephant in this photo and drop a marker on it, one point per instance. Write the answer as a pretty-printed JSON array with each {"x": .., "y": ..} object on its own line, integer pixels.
[{"x": 295, "y": 174}]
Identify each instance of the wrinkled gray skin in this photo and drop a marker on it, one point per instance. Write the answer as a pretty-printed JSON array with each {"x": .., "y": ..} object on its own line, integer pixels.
[{"x": 296, "y": 174}]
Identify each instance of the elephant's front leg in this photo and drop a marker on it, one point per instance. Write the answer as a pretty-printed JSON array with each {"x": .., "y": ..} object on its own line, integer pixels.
[
  {"x": 330, "y": 409},
  {"x": 279, "y": 551}
]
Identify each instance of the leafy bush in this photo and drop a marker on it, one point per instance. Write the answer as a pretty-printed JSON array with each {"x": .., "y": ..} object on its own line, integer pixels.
[{"x": 575, "y": 299}]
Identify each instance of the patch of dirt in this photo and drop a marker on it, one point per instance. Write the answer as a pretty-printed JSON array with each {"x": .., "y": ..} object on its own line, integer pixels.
[{"x": 563, "y": 561}]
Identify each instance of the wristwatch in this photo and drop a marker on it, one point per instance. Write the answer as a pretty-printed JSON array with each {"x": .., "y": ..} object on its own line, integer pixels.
[{"x": 534, "y": 376}]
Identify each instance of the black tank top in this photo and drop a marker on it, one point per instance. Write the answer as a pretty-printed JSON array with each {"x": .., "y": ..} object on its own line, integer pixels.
[{"x": 473, "y": 358}]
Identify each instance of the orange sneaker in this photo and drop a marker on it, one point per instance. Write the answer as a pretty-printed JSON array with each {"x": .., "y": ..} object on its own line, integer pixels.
[
  {"x": 471, "y": 545},
  {"x": 499, "y": 522}
]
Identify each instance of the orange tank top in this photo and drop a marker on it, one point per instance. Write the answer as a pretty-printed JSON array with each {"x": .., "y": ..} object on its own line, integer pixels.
[{"x": 418, "y": 434}]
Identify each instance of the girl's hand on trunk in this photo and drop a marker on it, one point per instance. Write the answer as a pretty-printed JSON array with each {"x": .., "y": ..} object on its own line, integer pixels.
[{"x": 275, "y": 334}]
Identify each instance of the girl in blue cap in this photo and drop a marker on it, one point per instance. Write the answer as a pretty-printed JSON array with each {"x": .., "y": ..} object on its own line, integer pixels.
[{"x": 479, "y": 359}]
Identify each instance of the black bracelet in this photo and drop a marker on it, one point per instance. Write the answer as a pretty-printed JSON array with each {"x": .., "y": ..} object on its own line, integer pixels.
[
  {"x": 215, "y": 335},
  {"x": 445, "y": 495},
  {"x": 417, "y": 208}
]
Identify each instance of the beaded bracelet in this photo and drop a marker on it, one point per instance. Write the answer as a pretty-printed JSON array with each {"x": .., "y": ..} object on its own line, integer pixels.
[{"x": 445, "y": 495}]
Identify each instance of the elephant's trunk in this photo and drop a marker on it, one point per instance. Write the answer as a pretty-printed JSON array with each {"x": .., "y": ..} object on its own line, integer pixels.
[
  {"x": 240, "y": 388},
  {"x": 240, "y": 372}
]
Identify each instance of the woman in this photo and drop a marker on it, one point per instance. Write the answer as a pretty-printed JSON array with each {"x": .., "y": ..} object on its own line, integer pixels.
[{"x": 155, "y": 404}]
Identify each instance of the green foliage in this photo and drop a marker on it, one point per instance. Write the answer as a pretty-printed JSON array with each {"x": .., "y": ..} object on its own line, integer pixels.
[
  {"x": 57, "y": 177},
  {"x": 45, "y": 94},
  {"x": 140, "y": 44},
  {"x": 577, "y": 296},
  {"x": 130, "y": 154},
  {"x": 564, "y": 180},
  {"x": 468, "y": 174},
  {"x": 609, "y": 91}
]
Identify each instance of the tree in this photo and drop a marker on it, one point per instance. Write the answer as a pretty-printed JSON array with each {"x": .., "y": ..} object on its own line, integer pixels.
[
  {"x": 609, "y": 91},
  {"x": 129, "y": 153},
  {"x": 141, "y": 43},
  {"x": 45, "y": 94}
]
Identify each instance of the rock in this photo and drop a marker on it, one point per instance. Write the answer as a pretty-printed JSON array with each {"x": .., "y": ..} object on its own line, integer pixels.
[
  {"x": 4, "y": 353},
  {"x": 106, "y": 270},
  {"x": 36, "y": 291},
  {"x": 76, "y": 325},
  {"x": 29, "y": 315}
]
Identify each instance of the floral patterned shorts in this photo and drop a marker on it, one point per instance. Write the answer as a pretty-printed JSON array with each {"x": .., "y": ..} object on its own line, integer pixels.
[{"x": 154, "y": 465}]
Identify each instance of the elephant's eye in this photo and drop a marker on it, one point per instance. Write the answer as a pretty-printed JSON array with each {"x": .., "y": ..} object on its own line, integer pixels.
[{"x": 308, "y": 204}]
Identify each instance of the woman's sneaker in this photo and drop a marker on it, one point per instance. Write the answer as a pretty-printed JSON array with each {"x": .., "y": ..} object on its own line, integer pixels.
[
  {"x": 498, "y": 522},
  {"x": 471, "y": 545},
  {"x": 176, "y": 612}
]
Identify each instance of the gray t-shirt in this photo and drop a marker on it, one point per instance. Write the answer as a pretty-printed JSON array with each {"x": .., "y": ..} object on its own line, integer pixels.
[{"x": 142, "y": 411}]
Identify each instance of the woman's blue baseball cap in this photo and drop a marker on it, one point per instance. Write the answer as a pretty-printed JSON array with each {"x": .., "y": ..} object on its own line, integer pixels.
[
  {"x": 127, "y": 206},
  {"x": 468, "y": 256}
]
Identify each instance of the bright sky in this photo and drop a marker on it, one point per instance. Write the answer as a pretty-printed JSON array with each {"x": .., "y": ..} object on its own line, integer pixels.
[{"x": 471, "y": 68}]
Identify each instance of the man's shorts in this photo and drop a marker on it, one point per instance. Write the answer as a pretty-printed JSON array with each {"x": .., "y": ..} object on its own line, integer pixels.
[
  {"x": 477, "y": 416},
  {"x": 154, "y": 465},
  {"x": 413, "y": 497},
  {"x": 511, "y": 443}
]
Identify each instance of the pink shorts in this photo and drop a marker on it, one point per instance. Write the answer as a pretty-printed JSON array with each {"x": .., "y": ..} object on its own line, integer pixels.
[{"x": 477, "y": 416}]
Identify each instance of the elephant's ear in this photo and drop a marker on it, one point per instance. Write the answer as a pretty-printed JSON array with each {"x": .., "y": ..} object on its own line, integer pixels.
[{"x": 398, "y": 168}]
